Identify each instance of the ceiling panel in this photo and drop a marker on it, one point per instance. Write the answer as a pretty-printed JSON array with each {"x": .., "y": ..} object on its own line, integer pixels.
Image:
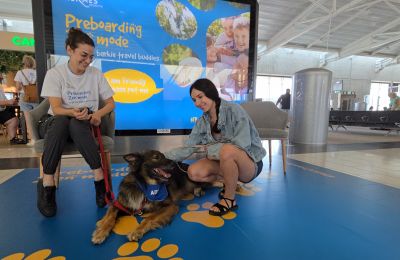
[{"x": 278, "y": 25}]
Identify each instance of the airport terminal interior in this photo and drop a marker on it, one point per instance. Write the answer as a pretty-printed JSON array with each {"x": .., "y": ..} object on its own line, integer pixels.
[{"x": 339, "y": 197}]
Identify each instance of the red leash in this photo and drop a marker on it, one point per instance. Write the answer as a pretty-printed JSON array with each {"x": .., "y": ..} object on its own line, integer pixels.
[{"x": 110, "y": 198}]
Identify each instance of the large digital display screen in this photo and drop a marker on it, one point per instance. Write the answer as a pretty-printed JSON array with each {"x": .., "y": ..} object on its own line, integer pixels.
[{"x": 152, "y": 51}]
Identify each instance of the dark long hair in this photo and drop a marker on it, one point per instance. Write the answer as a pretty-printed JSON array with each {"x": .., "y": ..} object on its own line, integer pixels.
[
  {"x": 208, "y": 88},
  {"x": 77, "y": 36}
]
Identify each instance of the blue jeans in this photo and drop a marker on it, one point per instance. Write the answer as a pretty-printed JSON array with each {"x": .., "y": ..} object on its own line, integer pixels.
[{"x": 25, "y": 106}]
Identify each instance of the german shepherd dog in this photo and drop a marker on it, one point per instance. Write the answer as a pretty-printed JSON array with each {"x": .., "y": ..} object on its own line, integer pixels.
[{"x": 136, "y": 193}]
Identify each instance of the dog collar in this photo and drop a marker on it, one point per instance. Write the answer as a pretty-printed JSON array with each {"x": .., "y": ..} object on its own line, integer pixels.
[{"x": 156, "y": 192}]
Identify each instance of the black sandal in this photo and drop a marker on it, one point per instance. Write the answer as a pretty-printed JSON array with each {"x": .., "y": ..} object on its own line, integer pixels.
[
  {"x": 221, "y": 194},
  {"x": 223, "y": 209}
]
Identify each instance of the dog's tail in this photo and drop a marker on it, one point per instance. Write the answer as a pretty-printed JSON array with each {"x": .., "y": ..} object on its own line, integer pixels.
[{"x": 105, "y": 225}]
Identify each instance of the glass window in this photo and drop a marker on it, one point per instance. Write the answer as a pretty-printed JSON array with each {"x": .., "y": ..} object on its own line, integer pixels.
[
  {"x": 378, "y": 96},
  {"x": 270, "y": 88}
]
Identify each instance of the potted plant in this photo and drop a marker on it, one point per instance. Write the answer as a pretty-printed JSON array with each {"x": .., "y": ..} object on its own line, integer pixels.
[{"x": 3, "y": 70}]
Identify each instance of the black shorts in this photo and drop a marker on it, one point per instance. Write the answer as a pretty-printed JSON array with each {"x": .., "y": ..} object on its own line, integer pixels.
[
  {"x": 258, "y": 169},
  {"x": 6, "y": 115}
]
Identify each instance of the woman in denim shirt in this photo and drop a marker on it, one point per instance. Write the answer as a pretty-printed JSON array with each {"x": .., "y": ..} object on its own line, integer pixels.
[{"x": 228, "y": 136}]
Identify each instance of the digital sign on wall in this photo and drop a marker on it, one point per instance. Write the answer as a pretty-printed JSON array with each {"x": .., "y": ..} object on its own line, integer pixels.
[{"x": 152, "y": 51}]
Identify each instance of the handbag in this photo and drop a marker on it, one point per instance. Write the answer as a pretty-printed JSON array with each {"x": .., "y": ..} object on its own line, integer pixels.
[
  {"x": 30, "y": 90},
  {"x": 43, "y": 124}
]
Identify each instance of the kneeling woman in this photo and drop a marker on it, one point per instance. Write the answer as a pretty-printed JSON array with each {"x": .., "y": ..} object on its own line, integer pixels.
[
  {"x": 228, "y": 136},
  {"x": 73, "y": 89}
]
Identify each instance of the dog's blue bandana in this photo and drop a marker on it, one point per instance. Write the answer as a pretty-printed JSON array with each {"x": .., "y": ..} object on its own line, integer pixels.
[{"x": 156, "y": 192}]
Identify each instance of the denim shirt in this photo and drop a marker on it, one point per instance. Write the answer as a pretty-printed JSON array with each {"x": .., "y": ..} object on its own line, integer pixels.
[{"x": 236, "y": 128}]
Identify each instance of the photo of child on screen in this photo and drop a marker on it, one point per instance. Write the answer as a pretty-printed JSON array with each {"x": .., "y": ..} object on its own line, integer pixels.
[
  {"x": 212, "y": 51},
  {"x": 227, "y": 58},
  {"x": 239, "y": 77},
  {"x": 224, "y": 42},
  {"x": 215, "y": 70}
]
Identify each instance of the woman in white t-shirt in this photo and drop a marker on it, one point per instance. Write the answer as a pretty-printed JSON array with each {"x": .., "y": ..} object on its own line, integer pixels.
[
  {"x": 23, "y": 78},
  {"x": 74, "y": 91}
]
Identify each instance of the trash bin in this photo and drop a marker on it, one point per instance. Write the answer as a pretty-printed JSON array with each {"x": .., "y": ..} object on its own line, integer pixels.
[{"x": 310, "y": 106}]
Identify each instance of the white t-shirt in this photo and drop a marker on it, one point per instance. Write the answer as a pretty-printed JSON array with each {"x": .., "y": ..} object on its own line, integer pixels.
[
  {"x": 225, "y": 41},
  {"x": 30, "y": 74},
  {"x": 76, "y": 91}
]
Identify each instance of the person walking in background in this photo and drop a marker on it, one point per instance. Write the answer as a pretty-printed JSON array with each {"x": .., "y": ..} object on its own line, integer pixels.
[
  {"x": 284, "y": 100},
  {"x": 24, "y": 77}
]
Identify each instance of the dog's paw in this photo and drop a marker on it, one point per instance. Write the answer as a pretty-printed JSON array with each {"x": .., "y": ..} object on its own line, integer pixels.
[
  {"x": 98, "y": 237},
  {"x": 100, "y": 223},
  {"x": 135, "y": 235}
]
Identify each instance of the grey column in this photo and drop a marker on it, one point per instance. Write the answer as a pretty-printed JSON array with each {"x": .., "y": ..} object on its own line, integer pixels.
[
  {"x": 40, "y": 11},
  {"x": 310, "y": 106}
]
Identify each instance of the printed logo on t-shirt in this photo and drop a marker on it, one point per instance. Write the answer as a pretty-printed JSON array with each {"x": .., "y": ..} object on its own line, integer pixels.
[{"x": 77, "y": 96}]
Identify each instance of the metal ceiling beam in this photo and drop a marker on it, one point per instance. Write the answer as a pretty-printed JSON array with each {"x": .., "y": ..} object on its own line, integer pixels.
[
  {"x": 392, "y": 6},
  {"x": 392, "y": 44},
  {"x": 373, "y": 40},
  {"x": 317, "y": 3},
  {"x": 348, "y": 20},
  {"x": 380, "y": 65},
  {"x": 296, "y": 27},
  {"x": 283, "y": 36},
  {"x": 395, "y": 1}
]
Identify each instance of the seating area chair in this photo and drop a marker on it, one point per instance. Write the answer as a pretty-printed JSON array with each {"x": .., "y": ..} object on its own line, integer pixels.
[
  {"x": 107, "y": 127},
  {"x": 271, "y": 123}
]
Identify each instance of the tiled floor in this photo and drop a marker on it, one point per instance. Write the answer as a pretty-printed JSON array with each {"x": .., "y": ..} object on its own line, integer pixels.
[
  {"x": 7, "y": 174},
  {"x": 360, "y": 152},
  {"x": 379, "y": 165}
]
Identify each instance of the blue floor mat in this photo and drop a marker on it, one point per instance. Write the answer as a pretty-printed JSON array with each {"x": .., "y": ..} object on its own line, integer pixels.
[{"x": 311, "y": 213}]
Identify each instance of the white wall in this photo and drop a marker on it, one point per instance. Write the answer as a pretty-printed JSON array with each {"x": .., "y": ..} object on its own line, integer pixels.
[
  {"x": 18, "y": 26},
  {"x": 357, "y": 72}
]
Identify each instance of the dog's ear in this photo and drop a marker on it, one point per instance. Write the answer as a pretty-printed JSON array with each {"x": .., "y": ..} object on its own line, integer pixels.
[{"x": 134, "y": 159}]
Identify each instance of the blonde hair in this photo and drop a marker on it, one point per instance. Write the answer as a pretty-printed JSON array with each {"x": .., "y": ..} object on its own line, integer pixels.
[
  {"x": 241, "y": 22},
  {"x": 29, "y": 62}
]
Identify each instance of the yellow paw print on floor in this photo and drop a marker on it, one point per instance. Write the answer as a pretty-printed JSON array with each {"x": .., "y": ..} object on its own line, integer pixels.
[
  {"x": 151, "y": 245},
  {"x": 202, "y": 217},
  {"x": 41, "y": 254},
  {"x": 125, "y": 225},
  {"x": 247, "y": 189}
]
